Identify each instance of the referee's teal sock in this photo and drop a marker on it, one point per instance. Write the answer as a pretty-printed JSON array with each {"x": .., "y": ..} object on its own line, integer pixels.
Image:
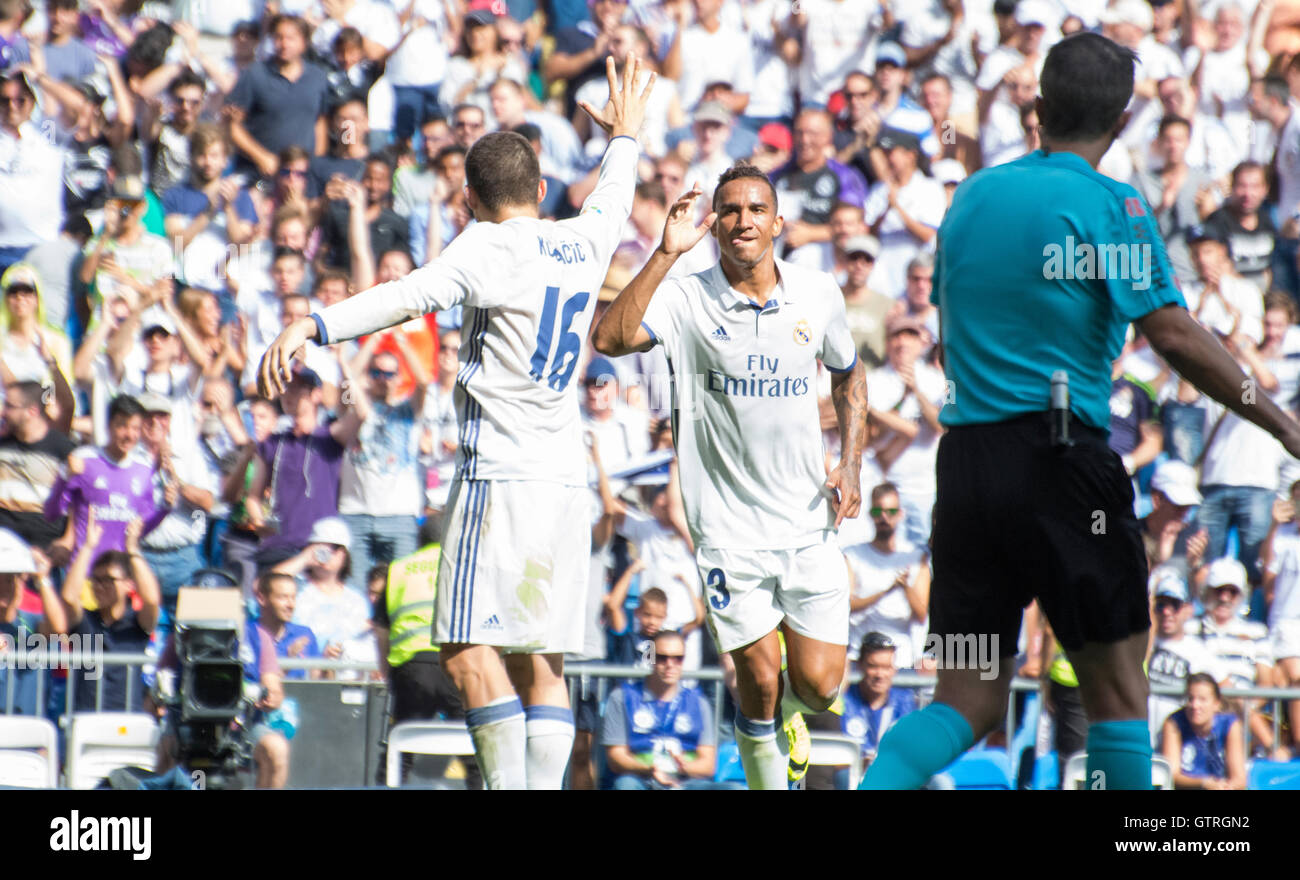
[
  {"x": 1120, "y": 751},
  {"x": 917, "y": 747}
]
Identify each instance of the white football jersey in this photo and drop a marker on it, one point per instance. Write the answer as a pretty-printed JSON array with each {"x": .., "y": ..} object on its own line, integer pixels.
[
  {"x": 529, "y": 289},
  {"x": 745, "y": 420}
]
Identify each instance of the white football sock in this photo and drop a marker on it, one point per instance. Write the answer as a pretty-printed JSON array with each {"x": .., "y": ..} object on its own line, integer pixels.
[
  {"x": 764, "y": 753},
  {"x": 500, "y": 742},
  {"x": 550, "y": 742}
]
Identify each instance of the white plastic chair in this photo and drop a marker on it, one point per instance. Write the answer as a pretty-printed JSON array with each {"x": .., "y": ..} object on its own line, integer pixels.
[
  {"x": 101, "y": 742},
  {"x": 448, "y": 738},
  {"x": 21, "y": 765},
  {"x": 1076, "y": 772},
  {"x": 836, "y": 750}
]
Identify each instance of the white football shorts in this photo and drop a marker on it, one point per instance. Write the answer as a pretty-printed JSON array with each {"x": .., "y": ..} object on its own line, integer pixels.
[
  {"x": 750, "y": 592},
  {"x": 515, "y": 562}
]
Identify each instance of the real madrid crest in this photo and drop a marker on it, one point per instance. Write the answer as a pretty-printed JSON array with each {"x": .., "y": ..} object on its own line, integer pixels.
[
  {"x": 802, "y": 332},
  {"x": 682, "y": 725},
  {"x": 643, "y": 719}
]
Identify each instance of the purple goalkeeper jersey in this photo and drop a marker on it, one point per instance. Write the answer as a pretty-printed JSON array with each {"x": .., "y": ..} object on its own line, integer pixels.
[{"x": 118, "y": 492}]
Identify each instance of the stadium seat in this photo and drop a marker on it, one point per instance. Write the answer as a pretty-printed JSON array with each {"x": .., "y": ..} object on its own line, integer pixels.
[
  {"x": 1047, "y": 772},
  {"x": 101, "y": 742},
  {"x": 728, "y": 767},
  {"x": 1076, "y": 771},
  {"x": 981, "y": 769},
  {"x": 449, "y": 738},
  {"x": 21, "y": 764},
  {"x": 1274, "y": 776},
  {"x": 836, "y": 750}
]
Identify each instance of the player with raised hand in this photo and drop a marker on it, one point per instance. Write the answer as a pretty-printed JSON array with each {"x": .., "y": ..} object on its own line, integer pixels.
[
  {"x": 512, "y": 580},
  {"x": 743, "y": 339}
]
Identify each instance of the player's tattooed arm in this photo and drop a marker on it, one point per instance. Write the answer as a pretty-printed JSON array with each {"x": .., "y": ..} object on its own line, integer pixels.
[{"x": 849, "y": 394}]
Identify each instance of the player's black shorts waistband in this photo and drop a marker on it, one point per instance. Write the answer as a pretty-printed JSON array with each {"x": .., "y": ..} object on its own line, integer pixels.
[{"x": 1041, "y": 420}]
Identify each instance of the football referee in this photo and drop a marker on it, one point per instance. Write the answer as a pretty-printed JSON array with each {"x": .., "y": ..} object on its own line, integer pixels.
[{"x": 1042, "y": 265}]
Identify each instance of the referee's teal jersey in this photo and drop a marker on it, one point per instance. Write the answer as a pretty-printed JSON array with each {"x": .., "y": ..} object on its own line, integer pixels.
[{"x": 1042, "y": 264}]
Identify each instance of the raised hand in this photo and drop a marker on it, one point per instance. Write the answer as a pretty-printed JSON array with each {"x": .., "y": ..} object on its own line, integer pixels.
[
  {"x": 94, "y": 531},
  {"x": 681, "y": 233},
  {"x": 625, "y": 111},
  {"x": 277, "y": 364},
  {"x": 133, "y": 530}
]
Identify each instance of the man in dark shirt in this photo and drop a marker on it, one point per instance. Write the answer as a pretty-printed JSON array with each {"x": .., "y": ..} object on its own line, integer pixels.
[
  {"x": 1245, "y": 225},
  {"x": 123, "y": 629},
  {"x": 301, "y": 468},
  {"x": 389, "y": 231},
  {"x": 809, "y": 186},
  {"x": 349, "y": 135},
  {"x": 1135, "y": 432},
  {"x": 279, "y": 102},
  {"x": 31, "y": 454}
]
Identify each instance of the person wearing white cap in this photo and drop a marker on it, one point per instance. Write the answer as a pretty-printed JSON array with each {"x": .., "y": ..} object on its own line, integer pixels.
[
  {"x": 950, "y": 173},
  {"x": 1174, "y": 655},
  {"x": 1166, "y": 533},
  {"x": 336, "y": 613},
  {"x": 1241, "y": 644}
]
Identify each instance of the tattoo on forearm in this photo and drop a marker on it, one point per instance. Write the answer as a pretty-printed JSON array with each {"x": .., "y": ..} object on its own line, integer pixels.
[{"x": 849, "y": 395}]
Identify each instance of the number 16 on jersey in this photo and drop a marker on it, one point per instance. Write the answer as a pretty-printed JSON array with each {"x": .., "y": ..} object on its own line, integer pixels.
[{"x": 565, "y": 359}]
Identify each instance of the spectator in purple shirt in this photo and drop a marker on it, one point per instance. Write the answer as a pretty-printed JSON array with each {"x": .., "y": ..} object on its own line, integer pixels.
[
  {"x": 301, "y": 467},
  {"x": 118, "y": 482}
]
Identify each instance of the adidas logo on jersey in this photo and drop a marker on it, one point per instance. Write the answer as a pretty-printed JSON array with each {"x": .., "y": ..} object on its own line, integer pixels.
[
  {"x": 492, "y": 622},
  {"x": 720, "y": 335}
]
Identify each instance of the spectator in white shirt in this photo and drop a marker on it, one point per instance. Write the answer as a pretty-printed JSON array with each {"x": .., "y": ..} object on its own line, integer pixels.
[
  {"x": 905, "y": 395},
  {"x": 891, "y": 582},
  {"x": 1175, "y": 655},
  {"x": 31, "y": 175},
  {"x": 622, "y": 431},
  {"x": 837, "y": 36},
  {"x": 903, "y": 211},
  {"x": 418, "y": 62},
  {"x": 709, "y": 51}
]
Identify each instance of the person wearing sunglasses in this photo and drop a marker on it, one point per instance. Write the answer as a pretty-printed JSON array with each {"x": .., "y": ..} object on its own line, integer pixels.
[
  {"x": 1175, "y": 655},
  {"x": 169, "y": 136},
  {"x": 891, "y": 581},
  {"x": 658, "y": 734}
]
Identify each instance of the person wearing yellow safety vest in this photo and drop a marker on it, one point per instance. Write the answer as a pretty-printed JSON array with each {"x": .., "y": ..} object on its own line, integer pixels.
[{"x": 403, "y": 624}]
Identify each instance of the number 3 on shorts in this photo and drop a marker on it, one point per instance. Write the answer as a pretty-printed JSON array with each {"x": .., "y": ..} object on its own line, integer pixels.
[{"x": 718, "y": 581}]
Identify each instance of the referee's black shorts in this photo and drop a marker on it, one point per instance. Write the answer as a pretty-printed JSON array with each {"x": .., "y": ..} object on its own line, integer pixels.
[{"x": 1015, "y": 519}]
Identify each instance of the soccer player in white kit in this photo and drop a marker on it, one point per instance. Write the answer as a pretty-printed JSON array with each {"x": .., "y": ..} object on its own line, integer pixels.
[
  {"x": 515, "y": 554},
  {"x": 743, "y": 339}
]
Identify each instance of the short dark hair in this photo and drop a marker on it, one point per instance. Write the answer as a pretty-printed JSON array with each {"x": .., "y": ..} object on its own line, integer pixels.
[
  {"x": 883, "y": 489},
  {"x": 1087, "y": 82},
  {"x": 327, "y": 275},
  {"x": 266, "y": 578},
  {"x": 185, "y": 78},
  {"x": 933, "y": 75},
  {"x": 113, "y": 557},
  {"x": 743, "y": 170},
  {"x": 347, "y": 36},
  {"x": 30, "y": 392},
  {"x": 656, "y": 595},
  {"x": 450, "y": 149},
  {"x": 124, "y": 405},
  {"x": 1249, "y": 165},
  {"x": 299, "y": 23},
  {"x": 379, "y": 571},
  {"x": 502, "y": 169},
  {"x": 282, "y": 252},
  {"x": 666, "y": 634},
  {"x": 293, "y": 153},
  {"x": 1170, "y": 120},
  {"x": 652, "y": 191}
]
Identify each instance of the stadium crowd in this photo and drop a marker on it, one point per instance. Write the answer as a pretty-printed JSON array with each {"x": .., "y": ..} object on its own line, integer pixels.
[{"x": 179, "y": 181}]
